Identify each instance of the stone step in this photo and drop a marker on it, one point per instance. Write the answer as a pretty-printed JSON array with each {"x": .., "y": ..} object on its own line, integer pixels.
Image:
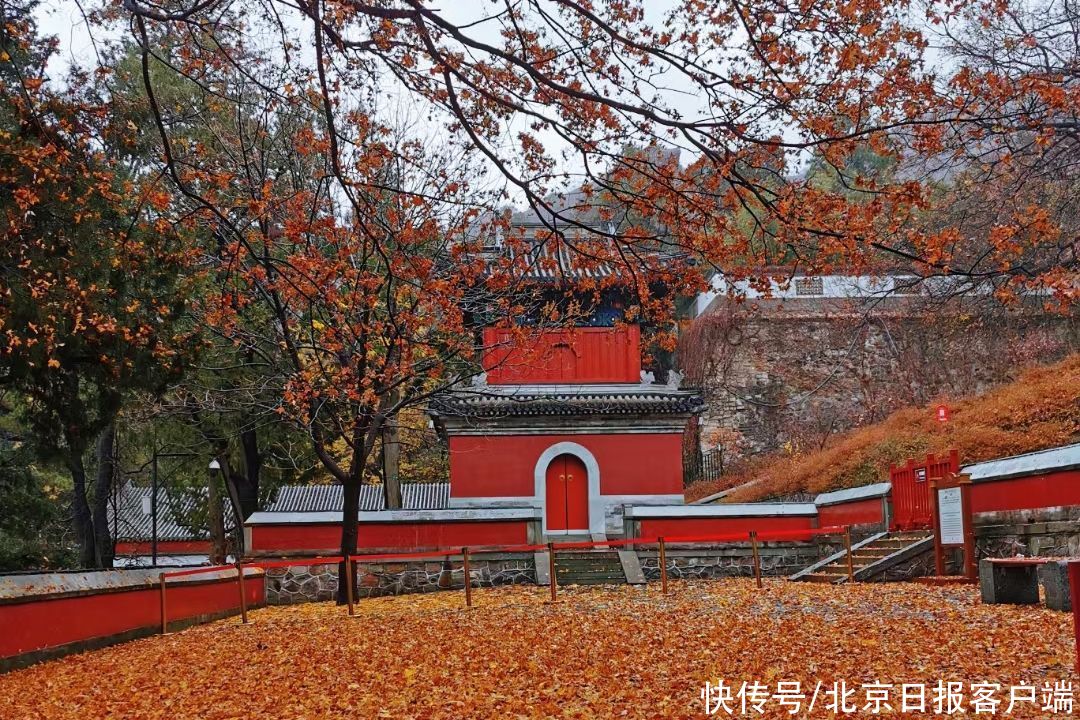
[
  {"x": 866, "y": 555},
  {"x": 598, "y": 558},
  {"x": 590, "y": 580},
  {"x": 872, "y": 551},
  {"x": 910, "y": 534},
  {"x": 819, "y": 578},
  {"x": 609, "y": 569},
  {"x": 589, "y": 568},
  {"x": 890, "y": 545},
  {"x": 561, "y": 572},
  {"x": 565, "y": 576},
  {"x": 611, "y": 555},
  {"x": 832, "y": 569}
]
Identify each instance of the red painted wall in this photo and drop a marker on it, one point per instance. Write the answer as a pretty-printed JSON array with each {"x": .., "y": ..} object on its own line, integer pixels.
[
  {"x": 442, "y": 535},
  {"x": 686, "y": 527},
  {"x": 1027, "y": 493},
  {"x": 388, "y": 536},
  {"x": 503, "y": 465},
  {"x": 856, "y": 512},
  {"x": 41, "y": 622},
  {"x": 572, "y": 355},
  {"x": 295, "y": 538},
  {"x": 165, "y": 547}
]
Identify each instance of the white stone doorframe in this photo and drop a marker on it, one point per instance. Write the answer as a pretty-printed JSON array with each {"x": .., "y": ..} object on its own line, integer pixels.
[{"x": 596, "y": 507}]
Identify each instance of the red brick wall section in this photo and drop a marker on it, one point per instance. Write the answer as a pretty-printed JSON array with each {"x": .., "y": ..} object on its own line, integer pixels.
[
  {"x": 856, "y": 512},
  {"x": 502, "y": 466},
  {"x": 697, "y": 527},
  {"x": 1027, "y": 493},
  {"x": 40, "y": 622},
  {"x": 404, "y": 536},
  {"x": 441, "y": 535},
  {"x": 165, "y": 547}
]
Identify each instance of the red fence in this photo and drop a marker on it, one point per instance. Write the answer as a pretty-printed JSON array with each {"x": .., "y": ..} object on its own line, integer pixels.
[
  {"x": 911, "y": 489},
  {"x": 36, "y": 626},
  {"x": 40, "y": 626}
]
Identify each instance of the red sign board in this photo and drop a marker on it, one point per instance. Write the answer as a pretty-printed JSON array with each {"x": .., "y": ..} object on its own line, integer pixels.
[{"x": 942, "y": 413}]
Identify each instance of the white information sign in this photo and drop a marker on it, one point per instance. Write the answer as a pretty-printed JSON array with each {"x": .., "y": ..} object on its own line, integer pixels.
[{"x": 950, "y": 517}]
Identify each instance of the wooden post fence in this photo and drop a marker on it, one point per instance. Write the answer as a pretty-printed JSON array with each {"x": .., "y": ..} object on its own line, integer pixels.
[
  {"x": 663, "y": 566},
  {"x": 468, "y": 576},
  {"x": 757, "y": 557},
  {"x": 243, "y": 595},
  {"x": 164, "y": 616},
  {"x": 551, "y": 569},
  {"x": 349, "y": 585}
]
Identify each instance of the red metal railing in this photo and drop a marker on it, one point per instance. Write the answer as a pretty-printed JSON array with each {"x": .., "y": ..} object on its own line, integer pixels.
[{"x": 754, "y": 538}]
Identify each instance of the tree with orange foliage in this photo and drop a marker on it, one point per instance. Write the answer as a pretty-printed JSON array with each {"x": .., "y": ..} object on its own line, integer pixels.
[
  {"x": 365, "y": 251},
  {"x": 89, "y": 301}
]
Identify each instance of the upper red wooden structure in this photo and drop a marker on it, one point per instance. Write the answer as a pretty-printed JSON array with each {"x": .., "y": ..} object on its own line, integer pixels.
[
  {"x": 564, "y": 421},
  {"x": 570, "y": 355}
]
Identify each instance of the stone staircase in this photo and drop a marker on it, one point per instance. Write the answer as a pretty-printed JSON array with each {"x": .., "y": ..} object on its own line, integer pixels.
[
  {"x": 870, "y": 558},
  {"x": 597, "y": 567}
]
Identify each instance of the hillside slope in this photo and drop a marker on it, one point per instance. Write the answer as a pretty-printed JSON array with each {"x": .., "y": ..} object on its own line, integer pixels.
[{"x": 1040, "y": 409}]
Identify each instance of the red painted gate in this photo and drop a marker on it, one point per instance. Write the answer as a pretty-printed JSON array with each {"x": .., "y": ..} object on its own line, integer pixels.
[{"x": 911, "y": 489}]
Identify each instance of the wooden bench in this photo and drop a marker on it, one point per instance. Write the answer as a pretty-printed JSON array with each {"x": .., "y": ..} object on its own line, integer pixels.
[{"x": 1016, "y": 580}]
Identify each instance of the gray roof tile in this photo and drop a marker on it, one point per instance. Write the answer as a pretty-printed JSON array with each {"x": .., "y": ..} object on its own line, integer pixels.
[{"x": 327, "y": 498}]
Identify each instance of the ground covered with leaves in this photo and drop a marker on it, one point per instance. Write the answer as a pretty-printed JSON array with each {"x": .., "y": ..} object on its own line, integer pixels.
[{"x": 598, "y": 652}]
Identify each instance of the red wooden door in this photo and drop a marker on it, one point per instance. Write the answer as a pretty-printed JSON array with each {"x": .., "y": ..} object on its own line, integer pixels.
[{"x": 567, "y": 495}]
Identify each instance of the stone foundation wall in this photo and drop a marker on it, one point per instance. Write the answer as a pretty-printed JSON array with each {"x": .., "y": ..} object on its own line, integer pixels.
[
  {"x": 777, "y": 560},
  {"x": 1046, "y": 532},
  {"x": 320, "y": 582},
  {"x": 304, "y": 583}
]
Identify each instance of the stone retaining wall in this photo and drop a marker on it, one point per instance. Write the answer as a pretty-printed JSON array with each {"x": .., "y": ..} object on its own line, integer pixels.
[
  {"x": 1047, "y": 532},
  {"x": 307, "y": 583},
  {"x": 319, "y": 582},
  {"x": 777, "y": 560}
]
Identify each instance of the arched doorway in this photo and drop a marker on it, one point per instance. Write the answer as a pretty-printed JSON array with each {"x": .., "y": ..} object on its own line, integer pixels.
[{"x": 567, "y": 495}]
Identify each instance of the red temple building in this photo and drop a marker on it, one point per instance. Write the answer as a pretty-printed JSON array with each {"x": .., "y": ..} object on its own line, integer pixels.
[
  {"x": 566, "y": 422},
  {"x": 562, "y": 431}
]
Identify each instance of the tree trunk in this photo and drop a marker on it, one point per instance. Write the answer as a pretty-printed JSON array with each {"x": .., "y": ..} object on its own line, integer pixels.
[
  {"x": 391, "y": 457},
  {"x": 216, "y": 520},
  {"x": 104, "y": 547},
  {"x": 350, "y": 507},
  {"x": 247, "y": 486},
  {"x": 80, "y": 511}
]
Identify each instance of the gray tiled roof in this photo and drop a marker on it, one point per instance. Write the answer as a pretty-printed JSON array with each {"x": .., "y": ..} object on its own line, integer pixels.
[
  {"x": 133, "y": 521},
  {"x": 327, "y": 498},
  {"x": 558, "y": 261},
  {"x": 503, "y": 401},
  {"x": 1053, "y": 459}
]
